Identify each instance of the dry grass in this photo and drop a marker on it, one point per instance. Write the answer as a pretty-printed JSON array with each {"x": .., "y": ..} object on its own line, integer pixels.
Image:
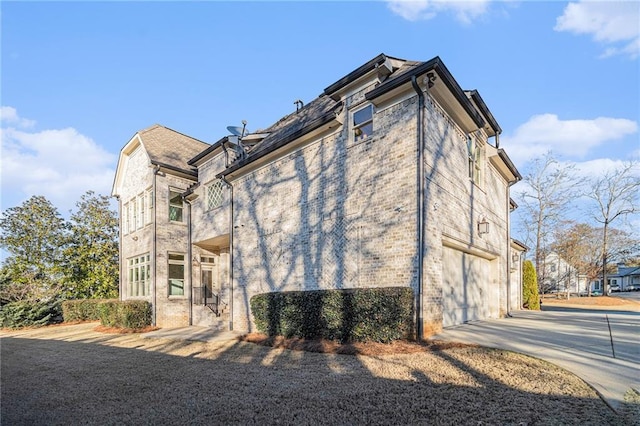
[
  {"x": 75, "y": 375},
  {"x": 592, "y": 301},
  {"x": 357, "y": 348}
]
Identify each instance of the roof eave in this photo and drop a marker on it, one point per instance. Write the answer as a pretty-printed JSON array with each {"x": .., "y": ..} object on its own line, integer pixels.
[
  {"x": 484, "y": 109},
  {"x": 355, "y": 74},
  {"x": 314, "y": 125},
  {"x": 169, "y": 167},
  {"x": 438, "y": 66},
  {"x": 207, "y": 151}
]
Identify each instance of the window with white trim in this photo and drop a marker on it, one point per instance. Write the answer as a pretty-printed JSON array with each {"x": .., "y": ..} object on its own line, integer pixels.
[
  {"x": 176, "y": 274},
  {"x": 132, "y": 215},
  {"x": 149, "y": 200},
  {"x": 362, "y": 123},
  {"x": 137, "y": 212},
  {"x": 475, "y": 155},
  {"x": 214, "y": 194},
  {"x": 175, "y": 206},
  {"x": 125, "y": 219},
  {"x": 140, "y": 209},
  {"x": 139, "y": 269}
]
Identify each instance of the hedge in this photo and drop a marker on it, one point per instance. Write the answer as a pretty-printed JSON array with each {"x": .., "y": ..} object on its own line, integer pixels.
[
  {"x": 81, "y": 310},
  {"x": 131, "y": 314},
  {"x": 354, "y": 315},
  {"x": 29, "y": 314}
]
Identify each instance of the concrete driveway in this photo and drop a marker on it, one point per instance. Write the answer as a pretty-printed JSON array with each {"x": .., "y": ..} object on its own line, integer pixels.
[{"x": 579, "y": 340}]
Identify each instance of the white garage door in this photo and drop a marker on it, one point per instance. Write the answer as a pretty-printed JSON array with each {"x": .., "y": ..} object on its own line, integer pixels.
[{"x": 465, "y": 287}]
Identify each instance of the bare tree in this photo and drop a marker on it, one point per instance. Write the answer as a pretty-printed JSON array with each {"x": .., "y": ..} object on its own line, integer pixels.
[
  {"x": 551, "y": 187},
  {"x": 579, "y": 244},
  {"x": 614, "y": 195}
]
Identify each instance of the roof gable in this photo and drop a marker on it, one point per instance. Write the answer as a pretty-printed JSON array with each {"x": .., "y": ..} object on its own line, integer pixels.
[{"x": 166, "y": 147}]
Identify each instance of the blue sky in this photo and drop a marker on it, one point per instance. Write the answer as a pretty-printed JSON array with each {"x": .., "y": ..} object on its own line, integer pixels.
[{"x": 80, "y": 78}]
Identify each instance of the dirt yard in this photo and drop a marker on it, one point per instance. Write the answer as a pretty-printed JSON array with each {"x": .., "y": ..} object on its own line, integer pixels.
[{"x": 76, "y": 375}]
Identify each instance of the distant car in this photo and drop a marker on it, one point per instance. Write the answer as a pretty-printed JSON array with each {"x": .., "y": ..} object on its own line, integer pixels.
[
  {"x": 614, "y": 288},
  {"x": 633, "y": 287}
]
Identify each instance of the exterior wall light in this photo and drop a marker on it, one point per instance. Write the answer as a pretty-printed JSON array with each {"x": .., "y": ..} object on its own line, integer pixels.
[{"x": 483, "y": 227}]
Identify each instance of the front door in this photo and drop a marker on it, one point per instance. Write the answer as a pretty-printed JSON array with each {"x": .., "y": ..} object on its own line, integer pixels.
[{"x": 209, "y": 284}]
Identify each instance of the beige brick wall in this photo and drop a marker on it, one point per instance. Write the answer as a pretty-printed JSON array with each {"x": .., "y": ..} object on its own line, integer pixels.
[{"x": 339, "y": 214}]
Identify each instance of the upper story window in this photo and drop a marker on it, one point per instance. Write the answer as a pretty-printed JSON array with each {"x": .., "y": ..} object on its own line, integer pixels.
[
  {"x": 475, "y": 154},
  {"x": 362, "y": 123},
  {"x": 214, "y": 192},
  {"x": 175, "y": 206},
  {"x": 137, "y": 212}
]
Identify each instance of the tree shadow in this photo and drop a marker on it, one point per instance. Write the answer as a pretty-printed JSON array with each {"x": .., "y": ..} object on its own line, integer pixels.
[{"x": 80, "y": 381}]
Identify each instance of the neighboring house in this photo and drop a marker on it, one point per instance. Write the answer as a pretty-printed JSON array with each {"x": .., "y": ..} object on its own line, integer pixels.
[
  {"x": 626, "y": 277},
  {"x": 393, "y": 176},
  {"x": 558, "y": 276}
]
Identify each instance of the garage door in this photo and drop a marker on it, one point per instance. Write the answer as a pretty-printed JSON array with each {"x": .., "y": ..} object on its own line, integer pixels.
[{"x": 465, "y": 287}]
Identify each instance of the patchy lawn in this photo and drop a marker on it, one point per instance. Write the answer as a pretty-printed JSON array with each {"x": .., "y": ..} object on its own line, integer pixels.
[
  {"x": 74, "y": 374},
  {"x": 612, "y": 302}
]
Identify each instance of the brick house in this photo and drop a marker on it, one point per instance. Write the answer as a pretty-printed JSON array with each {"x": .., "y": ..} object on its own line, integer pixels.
[{"x": 393, "y": 176}]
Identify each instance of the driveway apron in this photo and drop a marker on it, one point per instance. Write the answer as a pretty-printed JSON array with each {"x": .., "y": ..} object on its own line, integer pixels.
[{"x": 600, "y": 347}]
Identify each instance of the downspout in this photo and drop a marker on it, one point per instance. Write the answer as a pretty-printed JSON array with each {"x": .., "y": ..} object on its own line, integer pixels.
[
  {"x": 120, "y": 268},
  {"x": 156, "y": 169},
  {"x": 189, "y": 255},
  {"x": 421, "y": 209},
  {"x": 230, "y": 249}
]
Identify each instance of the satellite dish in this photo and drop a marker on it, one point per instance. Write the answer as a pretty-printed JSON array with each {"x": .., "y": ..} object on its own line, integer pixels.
[
  {"x": 236, "y": 130},
  {"x": 239, "y": 131}
]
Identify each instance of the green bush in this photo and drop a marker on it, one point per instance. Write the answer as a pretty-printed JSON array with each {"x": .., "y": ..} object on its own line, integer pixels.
[
  {"x": 81, "y": 310},
  {"x": 29, "y": 314},
  {"x": 131, "y": 314},
  {"x": 530, "y": 296},
  {"x": 355, "y": 315}
]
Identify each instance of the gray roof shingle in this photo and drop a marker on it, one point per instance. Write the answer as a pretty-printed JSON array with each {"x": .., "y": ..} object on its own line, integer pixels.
[{"x": 166, "y": 147}]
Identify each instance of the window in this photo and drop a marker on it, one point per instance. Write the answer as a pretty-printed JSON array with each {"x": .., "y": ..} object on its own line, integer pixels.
[
  {"x": 363, "y": 123},
  {"x": 175, "y": 206},
  {"x": 475, "y": 161},
  {"x": 139, "y": 275},
  {"x": 132, "y": 215},
  {"x": 214, "y": 194},
  {"x": 140, "y": 216},
  {"x": 137, "y": 212},
  {"x": 125, "y": 219},
  {"x": 176, "y": 274},
  {"x": 149, "y": 200}
]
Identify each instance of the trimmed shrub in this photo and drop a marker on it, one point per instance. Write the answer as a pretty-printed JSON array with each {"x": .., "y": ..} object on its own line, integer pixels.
[
  {"x": 530, "y": 296},
  {"x": 29, "y": 314},
  {"x": 131, "y": 314},
  {"x": 81, "y": 310},
  {"x": 354, "y": 315}
]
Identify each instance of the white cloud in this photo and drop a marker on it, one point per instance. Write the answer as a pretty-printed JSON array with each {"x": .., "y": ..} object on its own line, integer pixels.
[
  {"x": 418, "y": 10},
  {"x": 9, "y": 116},
  {"x": 616, "y": 24},
  {"x": 574, "y": 138},
  {"x": 60, "y": 164}
]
